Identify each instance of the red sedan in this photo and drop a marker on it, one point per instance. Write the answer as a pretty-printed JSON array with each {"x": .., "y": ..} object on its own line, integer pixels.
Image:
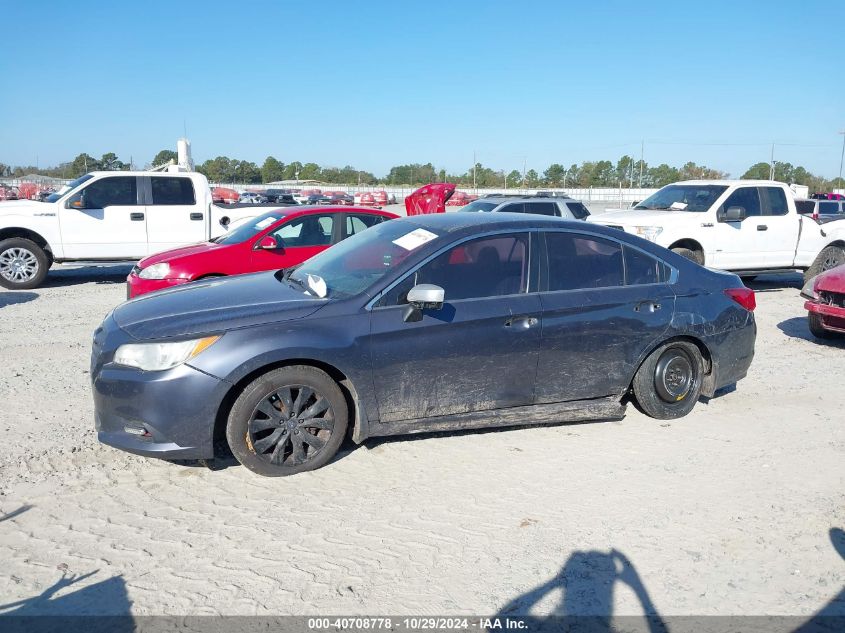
[
  {"x": 825, "y": 305},
  {"x": 280, "y": 238}
]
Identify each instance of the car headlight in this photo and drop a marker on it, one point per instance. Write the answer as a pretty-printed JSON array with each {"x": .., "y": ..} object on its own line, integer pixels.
[
  {"x": 809, "y": 290},
  {"x": 648, "y": 232},
  {"x": 161, "y": 356},
  {"x": 156, "y": 271}
]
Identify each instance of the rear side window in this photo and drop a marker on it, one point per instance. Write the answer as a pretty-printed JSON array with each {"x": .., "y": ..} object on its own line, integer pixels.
[
  {"x": 805, "y": 206},
  {"x": 578, "y": 210},
  {"x": 745, "y": 197},
  {"x": 541, "y": 208},
  {"x": 773, "y": 201},
  {"x": 640, "y": 268},
  {"x": 114, "y": 190},
  {"x": 357, "y": 223},
  {"x": 513, "y": 207},
  {"x": 828, "y": 208},
  {"x": 579, "y": 262},
  {"x": 177, "y": 191}
]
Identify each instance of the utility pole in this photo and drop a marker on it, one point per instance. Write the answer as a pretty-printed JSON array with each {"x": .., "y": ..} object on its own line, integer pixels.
[
  {"x": 642, "y": 151},
  {"x": 772, "y": 164},
  {"x": 843, "y": 154},
  {"x": 525, "y": 158},
  {"x": 473, "y": 169}
]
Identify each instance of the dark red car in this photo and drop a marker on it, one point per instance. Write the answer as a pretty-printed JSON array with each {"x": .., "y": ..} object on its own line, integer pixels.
[
  {"x": 825, "y": 294},
  {"x": 280, "y": 238}
]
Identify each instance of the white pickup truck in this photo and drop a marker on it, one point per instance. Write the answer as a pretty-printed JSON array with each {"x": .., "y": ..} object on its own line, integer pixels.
[
  {"x": 745, "y": 226},
  {"x": 105, "y": 217}
]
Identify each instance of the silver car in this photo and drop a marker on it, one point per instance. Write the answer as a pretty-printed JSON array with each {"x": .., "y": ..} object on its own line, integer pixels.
[{"x": 540, "y": 204}]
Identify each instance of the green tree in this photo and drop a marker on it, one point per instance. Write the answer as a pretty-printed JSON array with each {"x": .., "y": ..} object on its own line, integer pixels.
[
  {"x": 515, "y": 178},
  {"x": 164, "y": 156},
  {"x": 110, "y": 162},
  {"x": 310, "y": 171},
  {"x": 553, "y": 176},
  {"x": 83, "y": 164},
  {"x": 292, "y": 170},
  {"x": 757, "y": 171},
  {"x": 412, "y": 174},
  {"x": 660, "y": 176},
  {"x": 532, "y": 180},
  {"x": 272, "y": 170}
]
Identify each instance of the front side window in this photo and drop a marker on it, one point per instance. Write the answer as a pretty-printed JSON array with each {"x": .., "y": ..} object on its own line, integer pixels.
[
  {"x": 580, "y": 261},
  {"x": 745, "y": 197},
  {"x": 308, "y": 230},
  {"x": 175, "y": 191},
  {"x": 486, "y": 267},
  {"x": 773, "y": 201},
  {"x": 111, "y": 191}
]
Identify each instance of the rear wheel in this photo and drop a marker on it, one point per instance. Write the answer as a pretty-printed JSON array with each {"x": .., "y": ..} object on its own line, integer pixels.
[
  {"x": 23, "y": 264},
  {"x": 830, "y": 257},
  {"x": 668, "y": 383},
  {"x": 695, "y": 256},
  {"x": 817, "y": 329},
  {"x": 288, "y": 421}
]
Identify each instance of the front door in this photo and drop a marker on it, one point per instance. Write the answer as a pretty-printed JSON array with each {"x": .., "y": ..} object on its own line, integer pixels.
[
  {"x": 604, "y": 306},
  {"x": 173, "y": 217},
  {"x": 299, "y": 239},
  {"x": 105, "y": 220},
  {"x": 478, "y": 352}
]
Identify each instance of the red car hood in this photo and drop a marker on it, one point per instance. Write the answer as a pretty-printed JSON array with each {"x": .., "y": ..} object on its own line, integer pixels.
[
  {"x": 429, "y": 199},
  {"x": 182, "y": 251},
  {"x": 833, "y": 280}
]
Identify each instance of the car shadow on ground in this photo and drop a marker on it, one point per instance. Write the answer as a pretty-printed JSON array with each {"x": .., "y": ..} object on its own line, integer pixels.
[
  {"x": 61, "y": 277},
  {"x": 797, "y": 327},
  {"x": 776, "y": 283},
  {"x": 18, "y": 296}
]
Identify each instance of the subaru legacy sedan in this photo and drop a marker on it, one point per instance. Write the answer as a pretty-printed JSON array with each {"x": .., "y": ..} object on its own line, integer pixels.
[{"x": 430, "y": 323}]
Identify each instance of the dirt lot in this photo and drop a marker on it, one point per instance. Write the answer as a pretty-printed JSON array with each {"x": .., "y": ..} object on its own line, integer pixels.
[{"x": 729, "y": 511}]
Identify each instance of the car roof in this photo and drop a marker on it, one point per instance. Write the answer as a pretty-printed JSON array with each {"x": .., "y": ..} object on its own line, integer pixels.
[{"x": 455, "y": 221}]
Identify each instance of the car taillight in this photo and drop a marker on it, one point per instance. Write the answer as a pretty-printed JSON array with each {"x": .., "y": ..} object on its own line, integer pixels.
[{"x": 743, "y": 296}]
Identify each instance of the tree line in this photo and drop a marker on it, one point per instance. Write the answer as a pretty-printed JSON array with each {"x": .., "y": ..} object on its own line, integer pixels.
[{"x": 625, "y": 172}]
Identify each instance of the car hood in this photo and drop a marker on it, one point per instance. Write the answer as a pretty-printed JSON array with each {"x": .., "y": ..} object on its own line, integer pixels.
[
  {"x": 643, "y": 217},
  {"x": 26, "y": 207},
  {"x": 182, "y": 251},
  {"x": 832, "y": 280},
  {"x": 215, "y": 305}
]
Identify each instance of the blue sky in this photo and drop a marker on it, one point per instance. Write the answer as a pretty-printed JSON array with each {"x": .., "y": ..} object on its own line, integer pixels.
[{"x": 374, "y": 84}]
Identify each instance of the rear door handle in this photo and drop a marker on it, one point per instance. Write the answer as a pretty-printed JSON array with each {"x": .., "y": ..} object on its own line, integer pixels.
[
  {"x": 647, "y": 306},
  {"x": 136, "y": 217},
  {"x": 196, "y": 216},
  {"x": 521, "y": 323},
  {"x": 762, "y": 227}
]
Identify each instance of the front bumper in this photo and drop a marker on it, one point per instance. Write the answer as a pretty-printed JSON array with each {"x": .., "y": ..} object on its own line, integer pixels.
[
  {"x": 168, "y": 414},
  {"x": 832, "y": 317},
  {"x": 136, "y": 286}
]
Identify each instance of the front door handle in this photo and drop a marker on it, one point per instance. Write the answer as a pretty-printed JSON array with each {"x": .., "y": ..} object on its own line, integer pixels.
[
  {"x": 136, "y": 217},
  {"x": 521, "y": 322},
  {"x": 647, "y": 306},
  {"x": 196, "y": 216},
  {"x": 762, "y": 227}
]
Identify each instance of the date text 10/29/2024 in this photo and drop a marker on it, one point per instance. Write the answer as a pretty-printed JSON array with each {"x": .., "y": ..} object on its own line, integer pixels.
[{"x": 416, "y": 624}]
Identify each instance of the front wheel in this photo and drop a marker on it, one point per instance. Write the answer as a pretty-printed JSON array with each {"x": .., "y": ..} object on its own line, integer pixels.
[
  {"x": 288, "y": 421},
  {"x": 829, "y": 257},
  {"x": 23, "y": 264},
  {"x": 668, "y": 383},
  {"x": 814, "y": 321}
]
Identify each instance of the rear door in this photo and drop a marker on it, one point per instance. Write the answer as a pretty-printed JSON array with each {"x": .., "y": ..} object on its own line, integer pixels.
[
  {"x": 478, "y": 352},
  {"x": 604, "y": 306},
  {"x": 105, "y": 220},
  {"x": 299, "y": 238},
  {"x": 173, "y": 216}
]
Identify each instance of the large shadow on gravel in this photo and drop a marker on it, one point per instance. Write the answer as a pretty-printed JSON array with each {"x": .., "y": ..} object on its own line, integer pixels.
[
  {"x": 585, "y": 586},
  {"x": 830, "y": 617},
  {"x": 776, "y": 283},
  {"x": 108, "y": 600},
  {"x": 62, "y": 277},
  {"x": 13, "y": 298},
  {"x": 797, "y": 327}
]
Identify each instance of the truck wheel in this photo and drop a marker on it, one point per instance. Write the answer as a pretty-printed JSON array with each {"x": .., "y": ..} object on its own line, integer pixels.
[
  {"x": 287, "y": 421},
  {"x": 830, "y": 257},
  {"x": 694, "y": 256},
  {"x": 668, "y": 383},
  {"x": 23, "y": 264}
]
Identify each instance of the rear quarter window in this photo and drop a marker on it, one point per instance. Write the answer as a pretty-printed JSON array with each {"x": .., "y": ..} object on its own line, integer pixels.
[
  {"x": 578, "y": 210},
  {"x": 640, "y": 268}
]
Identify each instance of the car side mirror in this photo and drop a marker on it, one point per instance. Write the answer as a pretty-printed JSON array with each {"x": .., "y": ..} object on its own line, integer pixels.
[
  {"x": 75, "y": 202},
  {"x": 270, "y": 243},
  {"x": 734, "y": 214},
  {"x": 423, "y": 297}
]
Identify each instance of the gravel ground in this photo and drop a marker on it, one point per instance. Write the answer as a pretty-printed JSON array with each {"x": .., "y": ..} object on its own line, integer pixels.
[{"x": 733, "y": 510}]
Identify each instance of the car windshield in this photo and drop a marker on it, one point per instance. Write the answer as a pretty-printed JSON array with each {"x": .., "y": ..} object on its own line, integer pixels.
[
  {"x": 250, "y": 229},
  {"x": 478, "y": 205},
  {"x": 68, "y": 187},
  {"x": 353, "y": 265},
  {"x": 683, "y": 198}
]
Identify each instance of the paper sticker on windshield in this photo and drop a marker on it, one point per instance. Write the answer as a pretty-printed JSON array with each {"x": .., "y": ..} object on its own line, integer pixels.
[
  {"x": 264, "y": 223},
  {"x": 414, "y": 239},
  {"x": 678, "y": 206}
]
